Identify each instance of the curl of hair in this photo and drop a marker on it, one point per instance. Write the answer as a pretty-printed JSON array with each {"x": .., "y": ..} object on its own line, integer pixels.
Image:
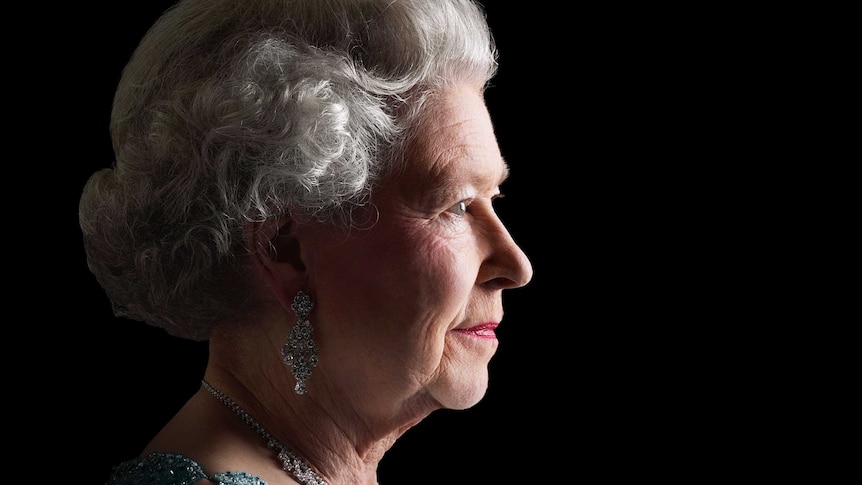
[{"x": 231, "y": 112}]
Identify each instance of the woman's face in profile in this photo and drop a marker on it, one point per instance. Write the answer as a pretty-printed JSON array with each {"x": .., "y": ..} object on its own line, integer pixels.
[{"x": 409, "y": 305}]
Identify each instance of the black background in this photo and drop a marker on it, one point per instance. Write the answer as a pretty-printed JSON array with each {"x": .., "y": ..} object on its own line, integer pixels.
[{"x": 589, "y": 380}]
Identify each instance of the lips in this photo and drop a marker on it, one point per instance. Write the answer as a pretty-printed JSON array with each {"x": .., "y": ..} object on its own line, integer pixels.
[{"x": 483, "y": 330}]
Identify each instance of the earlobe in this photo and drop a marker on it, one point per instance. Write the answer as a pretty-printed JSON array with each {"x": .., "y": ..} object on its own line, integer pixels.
[{"x": 276, "y": 255}]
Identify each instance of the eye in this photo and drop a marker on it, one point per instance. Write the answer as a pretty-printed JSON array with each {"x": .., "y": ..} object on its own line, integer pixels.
[{"x": 459, "y": 209}]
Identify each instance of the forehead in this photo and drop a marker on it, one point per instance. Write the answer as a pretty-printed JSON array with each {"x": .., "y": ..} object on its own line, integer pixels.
[{"x": 455, "y": 144}]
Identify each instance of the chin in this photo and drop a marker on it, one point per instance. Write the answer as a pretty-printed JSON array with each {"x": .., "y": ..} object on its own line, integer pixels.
[
  {"x": 463, "y": 392},
  {"x": 467, "y": 403}
]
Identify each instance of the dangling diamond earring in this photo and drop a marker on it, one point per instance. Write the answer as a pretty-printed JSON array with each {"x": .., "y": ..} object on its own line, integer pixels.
[{"x": 300, "y": 351}]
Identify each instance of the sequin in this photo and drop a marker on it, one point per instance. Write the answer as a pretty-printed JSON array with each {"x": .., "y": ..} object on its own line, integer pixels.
[{"x": 173, "y": 469}]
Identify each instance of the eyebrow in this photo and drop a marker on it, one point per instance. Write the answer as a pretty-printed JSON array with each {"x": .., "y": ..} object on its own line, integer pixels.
[
  {"x": 478, "y": 178},
  {"x": 506, "y": 172},
  {"x": 441, "y": 191}
]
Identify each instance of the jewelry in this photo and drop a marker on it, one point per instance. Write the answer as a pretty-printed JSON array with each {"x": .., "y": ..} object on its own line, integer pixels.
[
  {"x": 290, "y": 462},
  {"x": 300, "y": 351}
]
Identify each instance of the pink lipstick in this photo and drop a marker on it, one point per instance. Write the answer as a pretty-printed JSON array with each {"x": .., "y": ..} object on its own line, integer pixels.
[{"x": 483, "y": 330}]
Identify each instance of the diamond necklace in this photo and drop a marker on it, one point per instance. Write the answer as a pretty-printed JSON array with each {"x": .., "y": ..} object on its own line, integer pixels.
[{"x": 291, "y": 463}]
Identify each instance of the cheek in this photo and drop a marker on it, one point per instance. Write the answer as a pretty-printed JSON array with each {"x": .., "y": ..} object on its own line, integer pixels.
[
  {"x": 395, "y": 277},
  {"x": 436, "y": 271},
  {"x": 402, "y": 278}
]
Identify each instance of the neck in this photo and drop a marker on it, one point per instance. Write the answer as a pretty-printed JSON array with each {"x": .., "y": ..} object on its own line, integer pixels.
[
  {"x": 290, "y": 462},
  {"x": 294, "y": 460},
  {"x": 316, "y": 426}
]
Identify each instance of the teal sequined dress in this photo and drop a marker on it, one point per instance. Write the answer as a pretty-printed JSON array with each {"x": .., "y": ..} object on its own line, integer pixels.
[{"x": 173, "y": 469}]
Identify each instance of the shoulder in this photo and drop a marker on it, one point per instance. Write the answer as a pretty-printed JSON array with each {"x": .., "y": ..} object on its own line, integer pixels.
[{"x": 160, "y": 468}]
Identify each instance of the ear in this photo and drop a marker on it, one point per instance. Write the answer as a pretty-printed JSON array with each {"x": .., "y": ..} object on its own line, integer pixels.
[{"x": 276, "y": 255}]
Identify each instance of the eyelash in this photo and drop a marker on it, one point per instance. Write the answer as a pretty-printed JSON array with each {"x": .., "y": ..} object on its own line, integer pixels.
[{"x": 460, "y": 208}]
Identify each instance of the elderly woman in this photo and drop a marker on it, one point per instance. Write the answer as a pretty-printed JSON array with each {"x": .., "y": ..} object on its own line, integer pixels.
[{"x": 309, "y": 186}]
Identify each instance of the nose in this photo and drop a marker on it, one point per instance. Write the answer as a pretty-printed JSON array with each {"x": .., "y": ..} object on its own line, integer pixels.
[{"x": 506, "y": 265}]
